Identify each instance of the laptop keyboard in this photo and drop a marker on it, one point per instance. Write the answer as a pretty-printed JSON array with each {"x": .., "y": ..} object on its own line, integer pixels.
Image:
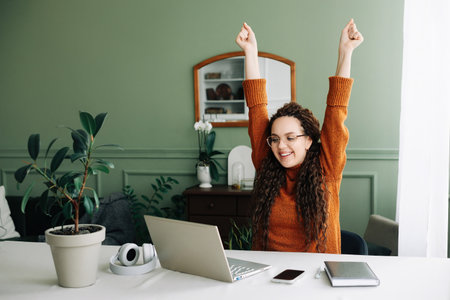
[
  {"x": 240, "y": 269},
  {"x": 237, "y": 270}
]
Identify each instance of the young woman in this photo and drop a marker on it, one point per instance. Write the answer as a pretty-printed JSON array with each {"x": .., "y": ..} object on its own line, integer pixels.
[{"x": 299, "y": 168}]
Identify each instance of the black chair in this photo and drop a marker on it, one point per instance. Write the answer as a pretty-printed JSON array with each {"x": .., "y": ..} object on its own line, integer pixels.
[{"x": 351, "y": 243}]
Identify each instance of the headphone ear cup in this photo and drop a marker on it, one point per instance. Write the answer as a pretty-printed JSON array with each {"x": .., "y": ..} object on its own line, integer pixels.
[
  {"x": 128, "y": 254},
  {"x": 147, "y": 253}
]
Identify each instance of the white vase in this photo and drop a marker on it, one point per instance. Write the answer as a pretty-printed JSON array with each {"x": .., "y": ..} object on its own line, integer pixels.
[
  {"x": 204, "y": 176},
  {"x": 76, "y": 256}
]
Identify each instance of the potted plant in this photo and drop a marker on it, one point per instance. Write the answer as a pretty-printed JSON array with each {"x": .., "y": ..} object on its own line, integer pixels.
[
  {"x": 75, "y": 247},
  {"x": 206, "y": 165}
]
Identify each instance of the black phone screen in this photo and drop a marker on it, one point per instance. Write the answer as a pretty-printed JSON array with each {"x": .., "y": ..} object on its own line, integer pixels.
[{"x": 289, "y": 274}]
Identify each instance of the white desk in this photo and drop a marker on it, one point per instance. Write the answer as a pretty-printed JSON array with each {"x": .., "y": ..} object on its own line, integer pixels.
[{"x": 27, "y": 272}]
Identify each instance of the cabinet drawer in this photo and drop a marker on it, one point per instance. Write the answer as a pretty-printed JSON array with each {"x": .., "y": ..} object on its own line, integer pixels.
[
  {"x": 212, "y": 205},
  {"x": 244, "y": 206}
]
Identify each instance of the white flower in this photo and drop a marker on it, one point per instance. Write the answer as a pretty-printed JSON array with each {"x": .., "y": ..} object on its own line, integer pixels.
[
  {"x": 203, "y": 126},
  {"x": 198, "y": 125},
  {"x": 208, "y": 127}
]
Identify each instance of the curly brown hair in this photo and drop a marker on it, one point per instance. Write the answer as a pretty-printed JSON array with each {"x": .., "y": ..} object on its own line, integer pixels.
[{"x": 310, "y": 186}]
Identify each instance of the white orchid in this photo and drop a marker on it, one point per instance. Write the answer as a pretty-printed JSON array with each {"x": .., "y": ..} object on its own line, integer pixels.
[
  {"x": 204, "y": 126},
  {"x": 206, "y": 138},
  {"x": 208, "y": 127}
]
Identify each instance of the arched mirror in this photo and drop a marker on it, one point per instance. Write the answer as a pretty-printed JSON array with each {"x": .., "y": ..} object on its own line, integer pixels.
[{"x": 219, "y": 96}]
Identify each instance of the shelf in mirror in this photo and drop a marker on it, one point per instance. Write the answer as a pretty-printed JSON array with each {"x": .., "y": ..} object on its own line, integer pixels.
[{"x": 219, "y": 95}]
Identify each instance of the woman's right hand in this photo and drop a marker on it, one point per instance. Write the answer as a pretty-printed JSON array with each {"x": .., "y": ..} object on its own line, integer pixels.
[{"x": 246, "y": 39}]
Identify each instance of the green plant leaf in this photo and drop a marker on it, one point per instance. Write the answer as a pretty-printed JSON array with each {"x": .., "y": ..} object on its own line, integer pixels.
[
  {"x": 44, "y": 202},
  {"x": 34, "y": 145},
  {"x": 92, "y": 171},
  {"x": 154, "y": 187},
  {"x": 101, "y": 168},
  {"x": 88, "y": 205},
  {"x": 173, "y": 180},
  {"x": 67, "y": 210},
  {"x": 49, "y": 147},
  {"x": 97, "y": 201},
  {"x": 78, "y": 155},
  {"x": 58, "y": 159},
  {"x": 215, "y": 153},
  {"x": 56, "y": 217},
  {"x": 218, "y": 164},
  {"x": 25, "y": 198},
  {"x": 80, "y": 141},
  {"x": 67, "y": 178},
  {"x": 159, "y": 196},
  {"x": 21, "y": 173},
  {"x": 105, "y": 163},
  {"x": 214, "y": 172},
  {"x": 51, "y": 186},
  {"x": 88, "y": 122},
  {"x": 203, "y": 157},
  {"x": 210, "y": 138},
  {"x": 99, "y": 119},
  {"x": 47, "y": 172},
  {"x": 140, "y": 205},
  {"x": 159, "y": 182},
  {"x": 78, "y": 183}
]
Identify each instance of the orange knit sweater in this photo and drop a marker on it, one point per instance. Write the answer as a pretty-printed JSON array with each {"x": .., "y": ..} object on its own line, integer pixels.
[{"x": 286, "y": 232}]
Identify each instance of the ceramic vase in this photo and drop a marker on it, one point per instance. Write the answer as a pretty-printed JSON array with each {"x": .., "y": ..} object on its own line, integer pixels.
[
  {"x": 204, "y": 176},
  {"x": 75, "y": 256}
]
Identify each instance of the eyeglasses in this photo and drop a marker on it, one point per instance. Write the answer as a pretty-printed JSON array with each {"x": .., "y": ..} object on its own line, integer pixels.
[{"x": 274, "y": 140}]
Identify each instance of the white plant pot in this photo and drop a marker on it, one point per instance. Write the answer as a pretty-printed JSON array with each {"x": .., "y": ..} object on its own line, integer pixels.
[
  {"x": 204, "y": 176},
  {"x": 76, "y": 256}
]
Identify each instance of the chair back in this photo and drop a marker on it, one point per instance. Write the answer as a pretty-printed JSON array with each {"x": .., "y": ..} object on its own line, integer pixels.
[
  {"x": 382, "y": 236},
  {"x": 352, "y": 243}
]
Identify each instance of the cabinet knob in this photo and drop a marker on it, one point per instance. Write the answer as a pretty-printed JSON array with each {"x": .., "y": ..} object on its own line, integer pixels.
[{"x": 211, "y": 204}]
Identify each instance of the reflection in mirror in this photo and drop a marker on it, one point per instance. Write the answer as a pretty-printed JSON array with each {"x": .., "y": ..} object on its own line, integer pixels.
[{"x": 219, "y": 96}]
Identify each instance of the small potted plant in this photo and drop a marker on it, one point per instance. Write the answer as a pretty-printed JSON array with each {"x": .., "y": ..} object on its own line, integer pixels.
[
  {"x": 75, "y": 247},
  {"x": 206, "y": 165}
]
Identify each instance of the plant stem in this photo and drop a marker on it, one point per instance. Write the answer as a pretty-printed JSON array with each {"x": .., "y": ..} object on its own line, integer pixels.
[
  {"x": 61, "y": 190},
  {"x": 80, "y": 195},
  {"x": 199, "y": 144}
]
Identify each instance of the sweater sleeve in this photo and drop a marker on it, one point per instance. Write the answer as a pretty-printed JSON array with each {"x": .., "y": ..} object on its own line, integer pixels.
[
  {"x": 256, "y": 97},
  {"x": 334, "y": 135}
]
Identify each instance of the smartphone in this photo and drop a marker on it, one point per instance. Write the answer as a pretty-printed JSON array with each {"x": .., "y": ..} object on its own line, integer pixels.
[{"x": 288, "y": 276}]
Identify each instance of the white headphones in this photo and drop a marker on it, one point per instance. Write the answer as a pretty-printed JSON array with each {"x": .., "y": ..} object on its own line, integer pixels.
[{"x": 128, "y": 255}]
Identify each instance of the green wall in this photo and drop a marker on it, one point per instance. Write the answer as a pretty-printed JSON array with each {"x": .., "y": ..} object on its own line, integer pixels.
[{"x": 134, "y": 60}]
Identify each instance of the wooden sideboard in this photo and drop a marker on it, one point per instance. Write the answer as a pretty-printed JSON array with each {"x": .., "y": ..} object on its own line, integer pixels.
[{"x": 218, "y": 206}]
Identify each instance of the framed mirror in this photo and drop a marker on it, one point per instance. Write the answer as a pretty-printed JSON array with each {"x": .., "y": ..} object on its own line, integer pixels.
[{"x": 218, "y": 92}]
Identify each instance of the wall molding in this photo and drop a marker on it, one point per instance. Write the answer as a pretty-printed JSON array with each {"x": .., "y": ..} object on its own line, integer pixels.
[
  {"x": 3, "y": 177},
  {"x": 127, "y": 173},
  {"x": 373, "y": 182},
  {"x": 372, "y": 154},
  {"x": 191, "y": 153}
]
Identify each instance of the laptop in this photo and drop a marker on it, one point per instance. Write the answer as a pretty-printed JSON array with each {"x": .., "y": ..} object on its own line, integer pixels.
[{"x": 196, "y": 249}]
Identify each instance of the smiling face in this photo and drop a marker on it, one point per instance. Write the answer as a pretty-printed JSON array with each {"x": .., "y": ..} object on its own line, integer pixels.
[{"x": 291, "y": 150}]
